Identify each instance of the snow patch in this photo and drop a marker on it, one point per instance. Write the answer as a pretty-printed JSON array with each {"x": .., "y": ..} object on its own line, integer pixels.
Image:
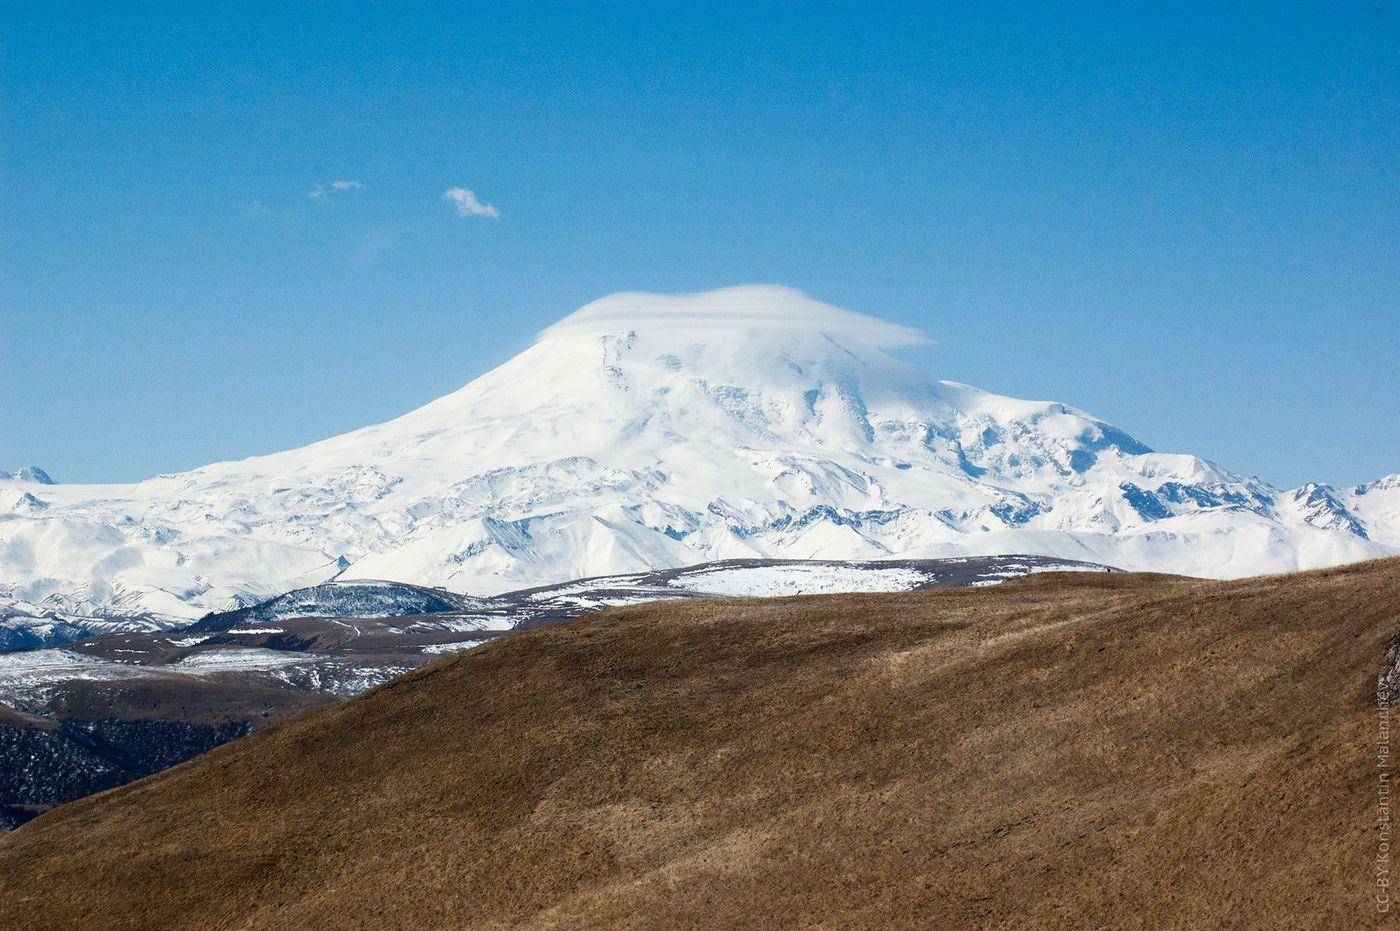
[
  {"x": 770, "y": 581},
  {"x": 452, "y": 647},
  {"x": 234, "y": 659}
]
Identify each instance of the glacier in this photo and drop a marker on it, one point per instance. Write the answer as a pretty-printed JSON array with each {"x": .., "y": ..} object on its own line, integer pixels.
[{"x": 652, "y": 431}]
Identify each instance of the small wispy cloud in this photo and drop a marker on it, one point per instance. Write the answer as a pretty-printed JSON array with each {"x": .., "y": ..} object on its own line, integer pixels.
[
  {"x": 468, "y": 205},
  {"x": 324, "y": 191}
]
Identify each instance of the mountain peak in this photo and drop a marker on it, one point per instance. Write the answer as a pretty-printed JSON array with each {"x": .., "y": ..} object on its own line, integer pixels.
[
  {"x": 29, "y": 473},
  {"x": 648, "y": 431}
]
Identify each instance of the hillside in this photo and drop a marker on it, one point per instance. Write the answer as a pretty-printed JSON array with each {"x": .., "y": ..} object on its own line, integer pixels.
[
  {"x": 1063, "y": 749},
  {"x": 110, "y": 709}
]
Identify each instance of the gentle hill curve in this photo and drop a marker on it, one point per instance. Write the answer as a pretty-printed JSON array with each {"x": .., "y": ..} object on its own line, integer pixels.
[{"x": 1129, "y": 750}]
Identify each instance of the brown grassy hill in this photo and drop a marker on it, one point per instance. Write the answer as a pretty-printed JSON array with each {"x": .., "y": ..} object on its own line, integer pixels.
[{"x": 1061, "y": 750}]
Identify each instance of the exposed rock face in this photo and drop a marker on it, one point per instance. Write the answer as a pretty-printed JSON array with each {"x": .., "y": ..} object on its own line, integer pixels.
[{"x": 1388, "y": 682}]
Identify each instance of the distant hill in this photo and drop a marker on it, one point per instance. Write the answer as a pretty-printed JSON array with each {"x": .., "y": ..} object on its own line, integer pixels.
[{"x": 1062, "y": 750}]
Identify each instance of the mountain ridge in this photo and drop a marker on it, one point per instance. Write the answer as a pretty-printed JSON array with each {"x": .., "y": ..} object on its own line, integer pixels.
[{"x": 649, "y": 431}]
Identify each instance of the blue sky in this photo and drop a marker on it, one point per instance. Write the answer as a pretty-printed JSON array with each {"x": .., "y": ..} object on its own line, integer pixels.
[{"x": 1186, "y": 222}]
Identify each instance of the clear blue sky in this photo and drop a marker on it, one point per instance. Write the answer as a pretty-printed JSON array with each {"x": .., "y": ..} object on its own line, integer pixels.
[{"x": 1187, "y": 223}]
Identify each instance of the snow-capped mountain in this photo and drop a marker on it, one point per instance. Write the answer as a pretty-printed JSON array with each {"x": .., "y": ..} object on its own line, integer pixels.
[
  {"x": 652, "y": 431},
  {"x": 29, "y": 474}
]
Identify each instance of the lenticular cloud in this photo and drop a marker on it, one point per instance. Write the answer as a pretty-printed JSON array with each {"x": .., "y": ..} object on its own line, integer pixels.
[{"x": 743, "y": 308}]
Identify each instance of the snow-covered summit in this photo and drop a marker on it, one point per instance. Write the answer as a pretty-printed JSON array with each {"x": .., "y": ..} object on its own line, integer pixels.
[
  {"x": 653, "y": 431},
  {"x": 31, "y": 474}
]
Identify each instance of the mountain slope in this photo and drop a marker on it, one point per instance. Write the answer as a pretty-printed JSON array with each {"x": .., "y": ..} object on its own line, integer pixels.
[
  {"x": 1062, "y": 750},
  {"x": 651, "y": 431}
]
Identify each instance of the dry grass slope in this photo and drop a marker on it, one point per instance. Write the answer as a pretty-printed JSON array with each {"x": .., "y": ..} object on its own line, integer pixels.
[{"x": 1062, "y": 750}]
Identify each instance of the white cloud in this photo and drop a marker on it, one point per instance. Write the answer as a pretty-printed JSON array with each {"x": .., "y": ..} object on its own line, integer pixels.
[
  {"x": 468, "y": 205},
  {"x": 323, "y": 192},
  {"x": 748, "y": 308}
]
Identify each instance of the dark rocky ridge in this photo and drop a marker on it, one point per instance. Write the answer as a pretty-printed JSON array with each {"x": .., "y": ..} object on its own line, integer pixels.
[{"x": 45, "y": 766}]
